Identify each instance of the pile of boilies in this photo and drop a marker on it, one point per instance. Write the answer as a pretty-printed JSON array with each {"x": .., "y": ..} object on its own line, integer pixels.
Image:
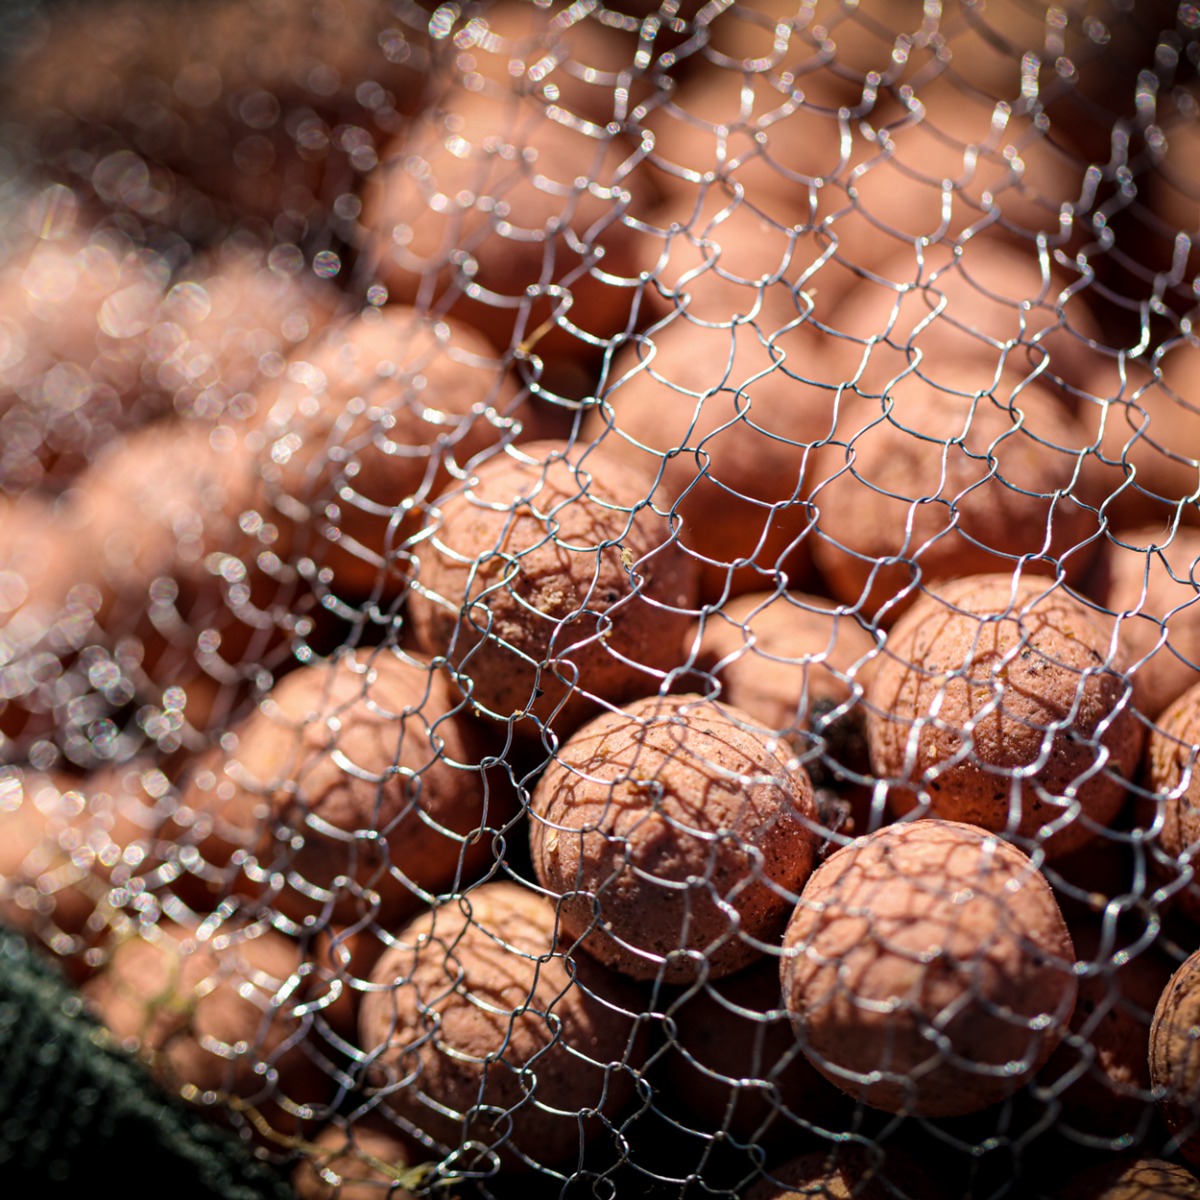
[{"x": 580, "y": 583}]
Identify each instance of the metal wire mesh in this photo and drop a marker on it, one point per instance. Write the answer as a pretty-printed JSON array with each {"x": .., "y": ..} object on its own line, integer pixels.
[{"x": 597, "y": 599}]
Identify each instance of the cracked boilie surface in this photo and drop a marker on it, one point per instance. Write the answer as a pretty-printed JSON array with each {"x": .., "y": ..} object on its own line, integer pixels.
[
  {"x": 528, "y": 569},
  {"x": 675, "y": 834},
  {"x": 928, "y": 970},
  {"x": 1001, "y": 702},
  {"x": 1171, "y": 773},
  {"x": 1175, "y": 1057},
  {"x": 479, "y": 1030}
]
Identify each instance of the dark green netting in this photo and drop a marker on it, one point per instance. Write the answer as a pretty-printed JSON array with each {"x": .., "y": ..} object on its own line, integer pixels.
[{"x": 76, "y": 1112}]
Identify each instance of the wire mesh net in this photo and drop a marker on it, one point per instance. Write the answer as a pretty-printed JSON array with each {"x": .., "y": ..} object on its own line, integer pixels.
[{"x": 598, "y": 599}]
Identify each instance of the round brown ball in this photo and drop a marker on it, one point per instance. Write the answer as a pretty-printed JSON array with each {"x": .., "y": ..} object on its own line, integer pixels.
[
  {"x": 1008, "y": 173},
  {"x": 787, "y": 658},
  {"x": 365, "y": 1162},
  {"x": 76, "y": 310},
  {"x": 368, "y": 421},
  {"x": 1132, "y": 1179},
  {"x": 1170, "y": 437},
  {"x": 214, "y": 831},
  {"x": 652, "y": 823},
  {"x": 949, "y": 484},
  {"x": 478, "y": 1030},
  {"x": 229, "y": 320},
  {"x": 358, "y": 781},
  {"x": 214, "y": 1013},
  {"x": 851, "y": 1171},
  {"x": 742, "y": 128},
  {"x": 727, "y": 424},
  {"x": 157, "y": 503},
  {"x": 181, "y": 568},
  {"x": 734, "y": 146},
  {"x": 1100, "y": 1072},
  {"x": 1151, "y": 573},
  {"x": 928, "y": 970},
  {"x": 1151, "y": 434},
  {"x": 1175, "y": 1057},
  {"x": 526, "y": 590},
  {"x": 964, "y": 315},
  {"x": 482, "y": 204},
  {"x": 1000, "y": 701},
  {"x": 717, "y": 262},
  {"x": 734, "y": 1063},
  {"x": 1171, "y": 774}
]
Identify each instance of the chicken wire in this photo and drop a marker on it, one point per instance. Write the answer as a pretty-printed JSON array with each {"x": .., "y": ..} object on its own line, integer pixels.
[{"x": 727, "y": 322}]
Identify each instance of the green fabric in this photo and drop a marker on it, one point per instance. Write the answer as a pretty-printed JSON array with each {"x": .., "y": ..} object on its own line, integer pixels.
[{"x": 75, "y": 1113}]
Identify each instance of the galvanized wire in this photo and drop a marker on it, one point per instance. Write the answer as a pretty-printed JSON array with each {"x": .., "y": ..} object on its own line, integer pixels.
[{"x": 738, "y": 333}]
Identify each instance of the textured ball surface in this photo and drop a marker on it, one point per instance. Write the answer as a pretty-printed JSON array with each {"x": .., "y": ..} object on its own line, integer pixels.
[
  {"x": 480, "y": 1030},
  {"x": 551, "y": 585},
  {"x": 654, "y": 822},
  {"x": 1001, "y": 702},
  {"x": 928, "y": 969}
]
